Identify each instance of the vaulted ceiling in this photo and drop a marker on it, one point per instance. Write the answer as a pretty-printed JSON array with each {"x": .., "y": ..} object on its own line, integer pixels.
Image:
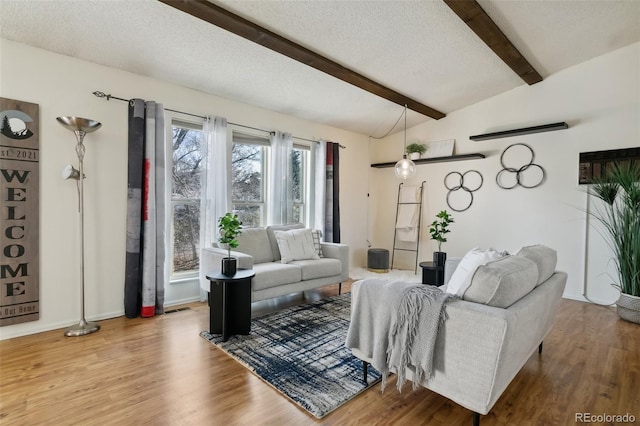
[{"x": 418, "y": 49}]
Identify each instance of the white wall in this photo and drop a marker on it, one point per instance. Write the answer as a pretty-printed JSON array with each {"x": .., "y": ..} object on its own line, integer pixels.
[
  {"x": 63, "y": 85},
  {"x": 599, "y": 99}
]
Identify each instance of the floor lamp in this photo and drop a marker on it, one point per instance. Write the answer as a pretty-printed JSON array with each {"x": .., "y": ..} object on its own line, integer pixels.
[{"x": 79, "y": 126}]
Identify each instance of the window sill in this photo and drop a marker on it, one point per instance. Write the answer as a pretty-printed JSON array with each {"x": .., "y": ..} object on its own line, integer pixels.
[{"x": 182, "y": 279}]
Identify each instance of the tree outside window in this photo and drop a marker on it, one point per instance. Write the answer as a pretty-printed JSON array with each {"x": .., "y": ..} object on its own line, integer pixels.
[{"x": 188, "y": 143}]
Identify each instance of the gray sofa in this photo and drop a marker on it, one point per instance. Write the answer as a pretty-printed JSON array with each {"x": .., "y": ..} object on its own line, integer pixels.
[
  {"x": 258, "y": 250},
  {"x": 480, "y": 348}
]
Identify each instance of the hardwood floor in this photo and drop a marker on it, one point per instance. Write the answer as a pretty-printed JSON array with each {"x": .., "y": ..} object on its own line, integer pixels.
[{"x": 158, "y": 371}]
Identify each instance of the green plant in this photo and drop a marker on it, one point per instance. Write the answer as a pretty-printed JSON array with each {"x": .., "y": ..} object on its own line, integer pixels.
[
  {"x": 438, "y": 228},
  {"x": 620, "y": 216},
  {"x": 229, "y": 227},
  {"x": 415, "y": 147}
]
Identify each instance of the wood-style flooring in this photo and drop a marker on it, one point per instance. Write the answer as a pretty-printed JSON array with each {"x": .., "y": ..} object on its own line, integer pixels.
[{"x": 158, "y": 371}]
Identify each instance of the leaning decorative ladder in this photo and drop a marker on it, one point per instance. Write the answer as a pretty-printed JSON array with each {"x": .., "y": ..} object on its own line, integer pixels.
[{"x": 395, "y": 230}]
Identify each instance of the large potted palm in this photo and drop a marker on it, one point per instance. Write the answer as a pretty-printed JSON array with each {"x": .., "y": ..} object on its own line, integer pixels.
[
  {"x": 619, "y": 188},
  {"x": 229, "y": 227}
]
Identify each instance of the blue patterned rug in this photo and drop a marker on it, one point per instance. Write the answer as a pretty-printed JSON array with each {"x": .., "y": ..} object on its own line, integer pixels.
[{"x": 300, "y": 351}]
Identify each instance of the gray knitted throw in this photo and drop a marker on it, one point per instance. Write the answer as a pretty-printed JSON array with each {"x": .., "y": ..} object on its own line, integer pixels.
[
  {"x": 394, "y": 325},
  {"x": 413, "y": 333}
]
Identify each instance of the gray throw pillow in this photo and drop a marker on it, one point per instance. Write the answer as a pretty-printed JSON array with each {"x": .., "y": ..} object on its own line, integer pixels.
[
  {"x": 545, "y": 258},
  {"x": 503, "y": 282}
]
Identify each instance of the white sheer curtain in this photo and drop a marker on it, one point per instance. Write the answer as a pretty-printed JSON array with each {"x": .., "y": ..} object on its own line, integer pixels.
[
  {"x": 319, "y": 152},
  {"x": 281, "y": 196},
  {"x": 216, "y": 198}
]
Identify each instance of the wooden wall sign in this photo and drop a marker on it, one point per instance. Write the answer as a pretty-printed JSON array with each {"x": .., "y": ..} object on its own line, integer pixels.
[{"x": 19, "y": 223}]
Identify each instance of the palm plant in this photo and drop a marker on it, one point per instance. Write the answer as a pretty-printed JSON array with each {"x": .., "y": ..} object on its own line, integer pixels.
[{"x": 620, "y": 217}]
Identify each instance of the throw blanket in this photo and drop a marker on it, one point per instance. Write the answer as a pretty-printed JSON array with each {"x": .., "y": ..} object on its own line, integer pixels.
[{"x": 395, "y": 324}]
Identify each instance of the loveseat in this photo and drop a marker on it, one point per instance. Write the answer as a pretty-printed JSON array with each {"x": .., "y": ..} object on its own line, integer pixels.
[
  {"x": 258, "y": 250},
  {"x": 480, "y": 348}
]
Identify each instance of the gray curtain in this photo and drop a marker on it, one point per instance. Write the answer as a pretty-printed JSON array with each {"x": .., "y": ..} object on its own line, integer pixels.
[{"x": 145, "y": 270}]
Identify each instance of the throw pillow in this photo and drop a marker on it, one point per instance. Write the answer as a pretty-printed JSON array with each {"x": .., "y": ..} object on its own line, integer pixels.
[
  {"x": 296, "y": 244},
  {"x": 503, "y": 282},
  {"x": 545, "y": 257},
  {"x": 474, "y": 258},
  {"x": 317, "y": 239}
]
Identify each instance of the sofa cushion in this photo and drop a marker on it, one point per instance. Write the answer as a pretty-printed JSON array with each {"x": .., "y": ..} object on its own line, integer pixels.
[
  {"x": 296, "y": 244},
  {"x": 255, "y": 243},
  {"x": 272, "y": 237},
  {"x": 273, "y": 274},
  {"x": 319, "y": 268},
  {"x": 503, "y": 282},
  {"x": 544, "y": 257},
  {"x": 474, "y": 258}
]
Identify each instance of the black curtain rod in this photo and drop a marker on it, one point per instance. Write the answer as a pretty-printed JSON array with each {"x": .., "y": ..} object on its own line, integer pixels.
[{"x": 109, "y": 97}]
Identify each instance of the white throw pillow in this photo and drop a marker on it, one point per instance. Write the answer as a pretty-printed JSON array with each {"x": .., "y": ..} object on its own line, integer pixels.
[
  {"x": 461, "y": 278},
  {"x": 296, "y": 244}
]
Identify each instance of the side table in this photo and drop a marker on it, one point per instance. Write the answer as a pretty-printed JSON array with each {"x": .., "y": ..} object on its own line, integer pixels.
[
  {"x": 230, "y": 303},
  {"x": 431, "y": 274}
]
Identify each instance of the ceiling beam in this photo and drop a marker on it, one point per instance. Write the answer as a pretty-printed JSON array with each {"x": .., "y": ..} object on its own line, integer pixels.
[
  {"x": 224, "y": 19},
  {"x": 477, "y": 19}
]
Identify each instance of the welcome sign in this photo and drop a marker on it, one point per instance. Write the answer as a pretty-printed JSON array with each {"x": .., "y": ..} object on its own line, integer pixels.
[{"x": 19, "y": 226}]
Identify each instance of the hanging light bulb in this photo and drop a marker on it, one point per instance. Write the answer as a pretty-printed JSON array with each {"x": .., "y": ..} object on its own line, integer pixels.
[{"x": 405, "y": 168}]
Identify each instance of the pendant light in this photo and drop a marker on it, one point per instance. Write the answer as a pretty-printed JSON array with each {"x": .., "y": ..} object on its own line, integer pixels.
[{"x": 405, "y": 168}]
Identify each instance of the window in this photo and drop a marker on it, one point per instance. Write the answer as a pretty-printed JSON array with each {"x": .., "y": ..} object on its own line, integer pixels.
[
  {"x": 188, "y": 145},
  {"x": 299, "y": 170},
  {"x": 248, "y": 178}
]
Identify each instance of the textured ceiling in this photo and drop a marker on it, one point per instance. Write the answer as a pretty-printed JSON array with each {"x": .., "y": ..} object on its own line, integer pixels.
[{"x": 418, "y": 48}]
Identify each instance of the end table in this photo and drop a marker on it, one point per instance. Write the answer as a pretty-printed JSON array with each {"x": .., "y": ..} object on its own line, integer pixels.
[
  {"x": 431, "y": 274},
  {"x": 230, "y": 303}
]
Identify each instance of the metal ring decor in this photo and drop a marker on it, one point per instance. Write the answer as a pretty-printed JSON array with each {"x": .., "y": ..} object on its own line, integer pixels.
[
  {"x": 461, "y": 185},
  {"x": 519, "y": 171}
]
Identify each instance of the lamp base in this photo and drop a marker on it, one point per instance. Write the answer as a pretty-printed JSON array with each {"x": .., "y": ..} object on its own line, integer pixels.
[{"x": 82, "y": 328}]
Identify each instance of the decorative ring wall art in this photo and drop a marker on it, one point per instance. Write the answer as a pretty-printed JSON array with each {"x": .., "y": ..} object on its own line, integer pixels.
[
  {"x": 510, "y": 177},
  {"x": 469, "y": 190}
]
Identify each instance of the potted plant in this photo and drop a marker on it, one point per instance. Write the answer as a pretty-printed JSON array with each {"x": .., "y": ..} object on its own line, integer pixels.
[
  {"x": 415, "y": 150},
  {"x": 438, "y": 230},
  {"x": 229, "y": 227},
  {"x": 620, "y": 216}
]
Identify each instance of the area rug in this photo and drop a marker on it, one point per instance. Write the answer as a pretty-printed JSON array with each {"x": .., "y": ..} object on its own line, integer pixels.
[{"x": 300, "y": 351}]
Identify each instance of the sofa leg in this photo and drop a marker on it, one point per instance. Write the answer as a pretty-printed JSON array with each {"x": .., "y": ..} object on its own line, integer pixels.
[
  {"x": 339, "y": 288},
  {"x": 540, "y": 348},
  {"x": 365, "y": 371},
  {"x": 476, "y": 419}
]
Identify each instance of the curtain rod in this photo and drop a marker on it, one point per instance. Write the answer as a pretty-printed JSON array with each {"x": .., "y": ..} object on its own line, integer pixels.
[{"x": 109, "y": 97}]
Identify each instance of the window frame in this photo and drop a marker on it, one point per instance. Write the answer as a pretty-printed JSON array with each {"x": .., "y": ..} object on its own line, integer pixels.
[
  {"x": 175, "y": 121},
  {"x": 256, "y": 138},
  {"x": 306, "y": 190}
]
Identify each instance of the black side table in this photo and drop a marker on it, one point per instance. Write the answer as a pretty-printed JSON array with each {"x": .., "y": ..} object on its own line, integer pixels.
[
  {"x": 230, "y": 303},
  {"x": 431, "y": 274}
]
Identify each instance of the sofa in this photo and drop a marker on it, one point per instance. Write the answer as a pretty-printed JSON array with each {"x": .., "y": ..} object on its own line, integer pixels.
[
  {"x": 480, "y": 348},
  {"x": 258, "y": 250}
]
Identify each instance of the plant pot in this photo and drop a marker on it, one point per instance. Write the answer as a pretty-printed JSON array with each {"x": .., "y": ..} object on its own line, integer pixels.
[
  {"x": 628, "y": 308},
  {"x": 229, "y": 266},
  {"x": 414, "y": 155},
  {"x": 439, "y": 258}
]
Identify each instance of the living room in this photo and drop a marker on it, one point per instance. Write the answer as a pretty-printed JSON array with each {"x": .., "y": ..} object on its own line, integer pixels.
[{"x": 598, "y": 98}]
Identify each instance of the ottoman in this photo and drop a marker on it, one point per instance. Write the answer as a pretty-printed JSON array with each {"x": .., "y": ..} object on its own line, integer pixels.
[{"x": 378, "y": 260}]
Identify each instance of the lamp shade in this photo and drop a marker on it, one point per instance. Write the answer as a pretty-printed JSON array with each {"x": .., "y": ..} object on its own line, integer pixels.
[
  {"x": 405, "y": 168},
  {"x": 79, "y": 124}
]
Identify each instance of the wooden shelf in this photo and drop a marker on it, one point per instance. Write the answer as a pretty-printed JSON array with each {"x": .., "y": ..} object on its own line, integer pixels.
[
  {"x": 518, "y": 132},
  {"x": 435, "y": 160}
]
